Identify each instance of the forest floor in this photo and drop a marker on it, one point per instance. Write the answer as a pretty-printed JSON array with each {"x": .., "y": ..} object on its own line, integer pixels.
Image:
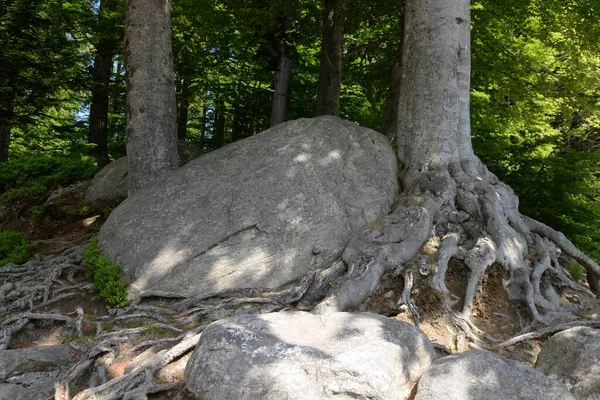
[{"x": 141, "y": 338}]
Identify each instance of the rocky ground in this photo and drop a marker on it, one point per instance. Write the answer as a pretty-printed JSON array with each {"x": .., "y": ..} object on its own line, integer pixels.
[{"x": 63, "y": 334}]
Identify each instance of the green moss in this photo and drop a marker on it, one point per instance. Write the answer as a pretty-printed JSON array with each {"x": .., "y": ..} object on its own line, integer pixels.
[
  {"x": 108, "y": 283},
  {"x": 576, "y": 271}
]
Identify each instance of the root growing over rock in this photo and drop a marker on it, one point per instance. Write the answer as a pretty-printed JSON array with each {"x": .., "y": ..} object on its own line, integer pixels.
[
  {"x": 462, "y": 212},
  {"x": 458, "y": 212}
]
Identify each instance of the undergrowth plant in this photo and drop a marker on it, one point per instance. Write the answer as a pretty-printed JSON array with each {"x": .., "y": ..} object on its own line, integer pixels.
[
  {"x": 576, "y": 271},
  {"x": 108, "y": 283},
  {"x": 27, "y": 177},
  {"x": 14, "y": 248}
]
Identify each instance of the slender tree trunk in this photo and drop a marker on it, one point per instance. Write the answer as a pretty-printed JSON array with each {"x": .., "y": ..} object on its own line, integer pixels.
[
  {"x": 283, "y": 82},
  {"x": 150, "y": 103},
  {"x": 237, "y": 126},
  {"x": 330, "y": 77},
  {"x": 389, "y": 125},
  {"x": 183, "y": 106},
  {"x": 106, "y": 47},
  {"x": 7, "y": 107},
  {"x": 219, "y": 124},
  {"x": 203, "y": 122},
  {"x": 283, "y": 78}
]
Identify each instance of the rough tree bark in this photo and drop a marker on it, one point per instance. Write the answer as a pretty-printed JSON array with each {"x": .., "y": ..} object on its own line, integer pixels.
[
  {"x": 150, "y": 102},
  {"x": 451, "y": 206},
  {"x": 330, "y": 77},
  {"x": 105, "y": 49}
]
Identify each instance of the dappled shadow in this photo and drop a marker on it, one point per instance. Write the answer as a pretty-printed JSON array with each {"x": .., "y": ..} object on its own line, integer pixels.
[
  {"x": 299, "y": 355},
  {"x": 481, "y": 375},
  {"x": 257, "y": 213}
]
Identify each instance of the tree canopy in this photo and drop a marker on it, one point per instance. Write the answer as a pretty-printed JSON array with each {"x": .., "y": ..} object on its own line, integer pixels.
[{"x": 534, "y": 96}]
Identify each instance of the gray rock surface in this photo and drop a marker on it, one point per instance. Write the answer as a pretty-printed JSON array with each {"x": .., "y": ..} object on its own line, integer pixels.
[
  {"x": 256, "y": 212},
  {"x": 573, "y": 357},
  {"x": 481, "y": 375},
  {"x": 298, "y": 355},
  {"x": 64, "y": 199},
  {"x": 110, "y": 185},
  {"x": 32, "y": 372}
]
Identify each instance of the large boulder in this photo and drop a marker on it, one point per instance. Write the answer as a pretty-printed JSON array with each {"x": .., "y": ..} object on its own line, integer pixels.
[
  {"x": 573, "y": 357},
  {"x": 481, "y": 375},
  {"x": 111, "y": 184},
  {"x": 298, "y": 356},
  {"x": 260, "y": 212}
]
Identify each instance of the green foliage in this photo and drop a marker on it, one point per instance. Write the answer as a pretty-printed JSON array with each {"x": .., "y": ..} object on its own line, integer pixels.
[
  {"x": 14, "y": 248},
  {"x": 108, "y": 284},
  {"x": 575, "y": 269},
  {"x": 535, "y": 90},
  {"x": 27, "y": 177},
  {"x": 36, "y": 213}
]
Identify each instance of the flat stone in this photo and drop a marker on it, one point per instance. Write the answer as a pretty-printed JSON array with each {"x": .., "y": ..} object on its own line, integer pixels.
[
  {"x": 33, "y": 359},
  {"x": 31, "y": 373}
]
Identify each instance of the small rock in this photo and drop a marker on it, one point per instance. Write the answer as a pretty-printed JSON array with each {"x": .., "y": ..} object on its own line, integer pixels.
[
  {"x": 32, "y": 372},
  {"x": 481, "y": 375},
  {"x": 573, "y": 357}
]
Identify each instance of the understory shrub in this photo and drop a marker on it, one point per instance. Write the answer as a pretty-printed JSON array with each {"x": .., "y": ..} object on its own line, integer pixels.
[
  {"x": 14, "y": 248},
  {"x": 26, "y": 177},
  {"x": 108, "y": 283}
]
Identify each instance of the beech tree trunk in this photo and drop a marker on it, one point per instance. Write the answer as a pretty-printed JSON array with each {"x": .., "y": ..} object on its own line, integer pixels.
[
  {"x": 150, "y": 103},
  {"x": 330, "y": 77},
  {"x": 451, "y": 206},
  {"x": 105, "y": 49},
  {"x": 434, "y": 104}
]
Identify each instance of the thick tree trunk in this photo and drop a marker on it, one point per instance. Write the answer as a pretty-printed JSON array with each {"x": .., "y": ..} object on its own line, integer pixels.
[
  {"x": 330, "y": 77},
  {"x": 434, "y": 105},
  {"x": 150, "y": 108},
  {"x": 451, "y": 206},
  {"x": 106, "y": 47},
  {"x": 389, "y": 125},
  {"x": 7, "y": 107},
  {"x": 183, "y": 107}
]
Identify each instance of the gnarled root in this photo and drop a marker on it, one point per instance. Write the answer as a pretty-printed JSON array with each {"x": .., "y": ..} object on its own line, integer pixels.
[{"x": 462, "y": 212}]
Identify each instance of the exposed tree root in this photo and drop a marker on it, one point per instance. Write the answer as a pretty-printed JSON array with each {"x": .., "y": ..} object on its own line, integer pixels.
[
  {"x": 462, "y": 212},
  {"x": 443, "y": 214}
]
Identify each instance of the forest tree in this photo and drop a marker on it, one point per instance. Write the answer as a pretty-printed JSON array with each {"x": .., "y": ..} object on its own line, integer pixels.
[{"x": 151, "y": 111}]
